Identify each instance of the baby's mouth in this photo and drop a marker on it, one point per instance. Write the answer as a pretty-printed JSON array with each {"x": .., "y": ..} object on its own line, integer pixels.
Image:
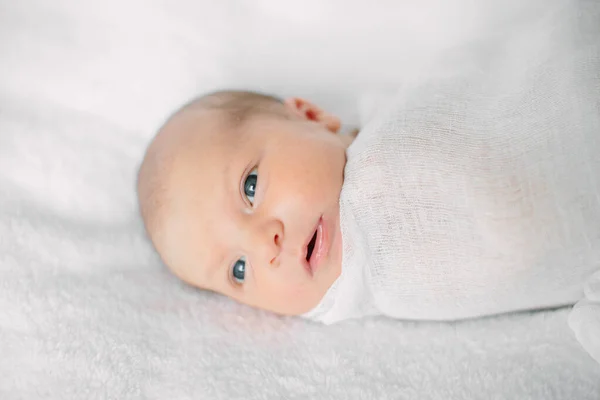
[
  {"x": 311, "y": 246},
  {"x": 316, "y": 248}
]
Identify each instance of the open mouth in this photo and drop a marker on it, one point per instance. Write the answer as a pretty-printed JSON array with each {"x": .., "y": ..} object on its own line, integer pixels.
[
  {"x": 311, "y": 246},
  {"x": 316, "y": 249}
]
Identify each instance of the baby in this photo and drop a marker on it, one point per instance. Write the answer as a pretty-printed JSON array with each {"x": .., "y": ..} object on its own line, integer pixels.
[
  {"x": 239, "y": 193},
  {"x": 472, "y": 195},
  {"x": 265, "y": 202}
]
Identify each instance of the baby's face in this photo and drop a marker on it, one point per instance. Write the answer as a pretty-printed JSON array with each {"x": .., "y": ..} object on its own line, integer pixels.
[{"x": 253, "y": 212}]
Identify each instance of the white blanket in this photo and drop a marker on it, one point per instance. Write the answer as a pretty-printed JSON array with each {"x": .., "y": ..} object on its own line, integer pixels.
[
  {"x": 479, "y": 194},
  {"x": 585, "y": 317},
  {"x": 86, "y": 309}
]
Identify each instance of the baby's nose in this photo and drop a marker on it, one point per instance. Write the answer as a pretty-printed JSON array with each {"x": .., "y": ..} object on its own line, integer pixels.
[{"x": 266, "y": 242}]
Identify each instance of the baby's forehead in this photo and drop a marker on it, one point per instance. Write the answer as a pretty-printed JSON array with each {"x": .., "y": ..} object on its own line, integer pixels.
[
  {"x": 202, "y": 159},
  {"x": 214, "y": 129},
  {"x": 191, "y": 138},
  {"x": 192, "y": 215}
]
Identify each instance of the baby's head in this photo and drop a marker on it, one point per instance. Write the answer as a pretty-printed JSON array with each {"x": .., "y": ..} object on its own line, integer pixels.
[{"x": 239, "y": 194}]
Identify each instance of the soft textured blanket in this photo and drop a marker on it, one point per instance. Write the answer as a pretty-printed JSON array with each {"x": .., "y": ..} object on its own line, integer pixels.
[
  {"x": 86, "y": 309},
  {"x": 479, "y": 194}
]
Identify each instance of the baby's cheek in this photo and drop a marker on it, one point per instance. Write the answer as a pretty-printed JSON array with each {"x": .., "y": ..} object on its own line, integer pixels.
[{"x": 294, "y": 298}]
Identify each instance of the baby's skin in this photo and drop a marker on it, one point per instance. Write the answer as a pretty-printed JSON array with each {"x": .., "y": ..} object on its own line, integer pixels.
[{"x": 249, "y": 210}]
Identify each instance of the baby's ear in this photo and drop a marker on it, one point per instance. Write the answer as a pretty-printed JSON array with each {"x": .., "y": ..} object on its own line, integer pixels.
[{"x": 307, "y": 110}]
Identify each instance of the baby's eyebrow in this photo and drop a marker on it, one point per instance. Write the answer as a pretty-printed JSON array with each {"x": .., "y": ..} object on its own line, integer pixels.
[{"x": 218, "y": 261}]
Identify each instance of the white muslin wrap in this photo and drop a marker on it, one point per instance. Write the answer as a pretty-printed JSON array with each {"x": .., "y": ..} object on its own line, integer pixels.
[{"x": 479, "y": 194}]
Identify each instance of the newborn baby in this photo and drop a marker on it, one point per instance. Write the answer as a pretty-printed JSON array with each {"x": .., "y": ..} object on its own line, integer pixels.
[
  {"x": 239, "y": 193},
  {"x": 471, "y": 196}
]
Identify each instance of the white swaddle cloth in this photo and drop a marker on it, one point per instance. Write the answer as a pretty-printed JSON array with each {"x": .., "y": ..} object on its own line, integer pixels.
[{"x": 480, "y": 194}]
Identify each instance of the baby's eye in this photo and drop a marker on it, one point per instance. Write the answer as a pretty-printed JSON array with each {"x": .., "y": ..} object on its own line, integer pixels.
[
  {"x": 238, "y": 271},
  {"x": 250, "y": 185}
]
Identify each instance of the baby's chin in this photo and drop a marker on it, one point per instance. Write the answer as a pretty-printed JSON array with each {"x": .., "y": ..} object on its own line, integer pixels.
[
  {"x": 294, "y": 302},
  {"x": 295, "y": 308}
]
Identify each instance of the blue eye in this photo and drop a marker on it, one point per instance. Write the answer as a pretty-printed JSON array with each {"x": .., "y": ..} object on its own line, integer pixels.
[
  {"x": 238, "y": 271},
  {"x": 250, "y": 185}
]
